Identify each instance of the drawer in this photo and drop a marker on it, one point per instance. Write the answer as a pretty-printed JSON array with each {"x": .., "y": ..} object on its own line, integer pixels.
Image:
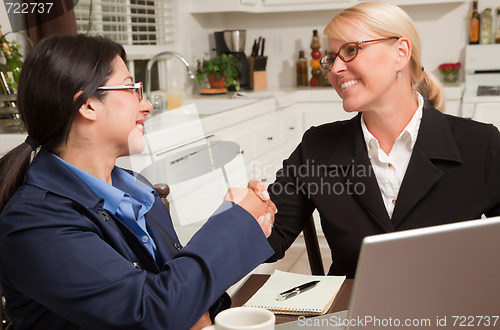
[
  {"x": 267, "y": 137},
  {"x": 290, "y": 127},
  {"x": 240, "y": 135},
  {"x": 265, "y": 168}
]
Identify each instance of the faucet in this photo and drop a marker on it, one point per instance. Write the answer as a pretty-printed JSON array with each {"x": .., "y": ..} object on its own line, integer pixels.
[{"x": 152, "y": 61}]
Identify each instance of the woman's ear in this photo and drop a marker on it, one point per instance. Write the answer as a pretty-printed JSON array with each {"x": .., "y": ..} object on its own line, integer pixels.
[
  {"x": 86, "y": 111},
  {"x": 404, "y": 51}
]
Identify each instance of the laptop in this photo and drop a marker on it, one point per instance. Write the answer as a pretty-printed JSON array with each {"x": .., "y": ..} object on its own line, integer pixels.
[{"x": 445, "y": 277}]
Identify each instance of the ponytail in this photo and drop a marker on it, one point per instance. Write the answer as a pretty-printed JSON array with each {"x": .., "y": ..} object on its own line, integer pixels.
[
  {"x": 13, "y": 167},
  {"x": 430, "y": 87}
]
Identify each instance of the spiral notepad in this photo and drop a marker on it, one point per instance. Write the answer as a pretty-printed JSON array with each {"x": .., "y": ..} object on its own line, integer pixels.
[{"x": 316, "y": 301}]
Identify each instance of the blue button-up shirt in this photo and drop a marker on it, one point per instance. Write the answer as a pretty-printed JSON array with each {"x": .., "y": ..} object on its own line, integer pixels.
[{"x": 130, "y": 207}]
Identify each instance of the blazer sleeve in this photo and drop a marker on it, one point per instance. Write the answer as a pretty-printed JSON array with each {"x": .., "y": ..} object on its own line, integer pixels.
[
  {"x": 492, "y": 170},
  {"x": 289, "y": 193},
  {"x": 59, "y": 258}
]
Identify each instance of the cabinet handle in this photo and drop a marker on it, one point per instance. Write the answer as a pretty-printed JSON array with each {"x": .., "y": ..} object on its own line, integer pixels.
[
  {"x": 263, "y": 180},
  {"x": 185, "y": 144},
  {"x": 242, "y": 152},
  {"x": 270, "y": 138},
  {"x": 291, "y": 128}
]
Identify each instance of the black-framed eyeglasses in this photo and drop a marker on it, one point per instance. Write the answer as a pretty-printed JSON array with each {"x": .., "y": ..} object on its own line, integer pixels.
[
  {"x": 346, "y": 53},
  {"x": 137, "y": 87}
]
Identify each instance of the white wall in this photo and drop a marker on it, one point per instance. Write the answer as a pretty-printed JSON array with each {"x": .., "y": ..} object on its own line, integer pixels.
[{"x": 442, "y": 27}]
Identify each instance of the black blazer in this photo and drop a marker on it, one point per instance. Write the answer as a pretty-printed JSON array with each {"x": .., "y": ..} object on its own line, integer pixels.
[{"x": 453, "y": 175}]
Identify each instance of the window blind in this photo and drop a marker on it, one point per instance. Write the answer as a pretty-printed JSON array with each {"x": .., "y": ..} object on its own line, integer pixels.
[{"x": 129, "y": 22}]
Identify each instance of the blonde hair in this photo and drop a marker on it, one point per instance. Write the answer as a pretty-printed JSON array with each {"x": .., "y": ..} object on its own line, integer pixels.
[{"x": 382, "y": 20}]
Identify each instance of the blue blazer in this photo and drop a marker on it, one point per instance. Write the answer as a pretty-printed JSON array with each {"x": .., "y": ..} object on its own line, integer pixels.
[
  {"x": 66, "y": 263},
  {"x": 453, "y": 175}
]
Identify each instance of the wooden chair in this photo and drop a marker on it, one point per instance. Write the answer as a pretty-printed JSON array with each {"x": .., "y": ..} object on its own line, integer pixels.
[
  {"x": 6, "y": 323},
  {"x": 309, "y": 232}
]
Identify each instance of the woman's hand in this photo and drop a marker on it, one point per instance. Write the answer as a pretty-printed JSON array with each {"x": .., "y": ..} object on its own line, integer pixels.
[
  {"x": 260, "y": 190},
  {"x": 255, "y": 200}
]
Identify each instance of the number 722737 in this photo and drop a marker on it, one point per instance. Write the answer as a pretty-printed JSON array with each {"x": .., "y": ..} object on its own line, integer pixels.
[{"x": 28, "y": 8}]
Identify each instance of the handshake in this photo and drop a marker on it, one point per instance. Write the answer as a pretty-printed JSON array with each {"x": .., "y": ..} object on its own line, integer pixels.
[{"x": 256, "y": 201}]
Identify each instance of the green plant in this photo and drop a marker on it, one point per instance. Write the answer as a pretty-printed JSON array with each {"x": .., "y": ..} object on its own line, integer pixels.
[
  {"x": 13, "y": 61},
  {"x": 225, "y": 65}
]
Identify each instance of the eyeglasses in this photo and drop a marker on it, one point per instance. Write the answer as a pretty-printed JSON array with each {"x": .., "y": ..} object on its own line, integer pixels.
[
  {"x": 347, "y": 53},
  {"x": 137, "y": 87}
]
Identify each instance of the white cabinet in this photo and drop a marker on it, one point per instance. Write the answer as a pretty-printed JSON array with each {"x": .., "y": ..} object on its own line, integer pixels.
[
  {"x": 276, "y": 6},
  {"x": 318, "y": 113}
]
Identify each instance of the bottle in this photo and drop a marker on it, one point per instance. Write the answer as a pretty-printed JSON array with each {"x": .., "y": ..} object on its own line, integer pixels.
[
  {"x": 13, "y": 62},
  {"x": 301, "y": 66},
  {"x": 497, "y": 27},
  {"x": 315, "y": 42},
  {"x": 316, "y": 55},
  {"x": 474, "y": 25},
  {"x": 486, "y": 26}
]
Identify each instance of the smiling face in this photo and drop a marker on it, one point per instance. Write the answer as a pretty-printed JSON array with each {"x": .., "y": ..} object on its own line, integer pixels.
[
  {"x": 367, "y": 81},
  {"x": 122, "y": 114}
]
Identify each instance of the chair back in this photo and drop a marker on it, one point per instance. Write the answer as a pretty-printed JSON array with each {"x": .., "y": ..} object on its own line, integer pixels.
[{"x": 487, "y": 113}]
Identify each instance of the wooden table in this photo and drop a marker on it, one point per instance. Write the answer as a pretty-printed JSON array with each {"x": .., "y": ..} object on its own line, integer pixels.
[{"x": 255, "y": 281}]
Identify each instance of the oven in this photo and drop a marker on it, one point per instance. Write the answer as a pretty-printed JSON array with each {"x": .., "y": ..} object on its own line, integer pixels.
[{"x": 481, "y": 98}]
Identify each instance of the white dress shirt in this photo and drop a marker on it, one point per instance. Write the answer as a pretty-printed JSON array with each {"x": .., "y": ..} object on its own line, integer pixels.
[{"x": 390, "y": 169}]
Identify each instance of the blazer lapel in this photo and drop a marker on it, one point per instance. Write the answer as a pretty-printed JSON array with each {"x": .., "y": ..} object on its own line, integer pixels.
[
  {"x": 434, "y": 142},
  {"x": 350, "y": 159}
]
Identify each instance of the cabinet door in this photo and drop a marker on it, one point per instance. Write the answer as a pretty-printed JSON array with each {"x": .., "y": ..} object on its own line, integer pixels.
[
  {"x": 290, "y": 126},
  {"x": 264, "y": 168},
  {"x": 241, "y": 135},
  {"x": 267, "y": 134}
]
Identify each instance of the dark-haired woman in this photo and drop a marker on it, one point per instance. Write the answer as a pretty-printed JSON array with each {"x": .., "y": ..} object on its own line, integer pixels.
[{"x": 87, "y": 245}]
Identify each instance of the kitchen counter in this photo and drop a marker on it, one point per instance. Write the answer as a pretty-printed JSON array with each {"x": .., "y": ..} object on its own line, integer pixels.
[{"x": 218, "y": 111}]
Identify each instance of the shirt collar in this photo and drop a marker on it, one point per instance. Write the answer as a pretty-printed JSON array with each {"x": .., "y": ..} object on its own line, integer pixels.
[
  {"x": 124, "y": 184},
  {"x": 410, "y": 130}
]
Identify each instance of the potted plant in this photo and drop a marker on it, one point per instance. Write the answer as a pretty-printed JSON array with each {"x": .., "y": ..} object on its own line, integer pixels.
[
  {"x": 450, "y": 71},
  {"x": 221, "y": 71}
]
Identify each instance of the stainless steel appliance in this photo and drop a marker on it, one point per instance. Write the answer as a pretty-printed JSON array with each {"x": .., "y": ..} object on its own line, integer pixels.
[
  {"x": 233, "y": 42},
  {"x": 482, "y": 78}
]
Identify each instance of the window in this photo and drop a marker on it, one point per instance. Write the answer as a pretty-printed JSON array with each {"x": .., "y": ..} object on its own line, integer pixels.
[
  {"x": 143, "y": 27},
  {"x": 129, "y": 22}
]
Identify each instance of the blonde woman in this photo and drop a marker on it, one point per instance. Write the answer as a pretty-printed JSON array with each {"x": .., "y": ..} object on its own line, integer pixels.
[{"x": 399, "y": 163}]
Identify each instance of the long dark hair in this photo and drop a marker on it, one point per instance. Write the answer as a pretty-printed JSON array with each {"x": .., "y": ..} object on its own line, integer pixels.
[{"x": 56, "y": 70}]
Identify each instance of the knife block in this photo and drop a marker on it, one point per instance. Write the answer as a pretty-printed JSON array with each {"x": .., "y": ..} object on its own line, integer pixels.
[{"x": 258, "y": 73}]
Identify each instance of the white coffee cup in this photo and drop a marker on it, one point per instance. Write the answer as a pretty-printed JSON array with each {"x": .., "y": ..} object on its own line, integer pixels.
[{"x": 244, "y": 318}]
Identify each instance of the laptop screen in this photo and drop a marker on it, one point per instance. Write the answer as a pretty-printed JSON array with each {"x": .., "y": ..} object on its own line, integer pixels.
[{"x": 445, "y": 276}]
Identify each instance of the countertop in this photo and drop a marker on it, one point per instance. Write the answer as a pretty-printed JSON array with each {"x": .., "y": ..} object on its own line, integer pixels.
[{"x": 218, "y": 111}]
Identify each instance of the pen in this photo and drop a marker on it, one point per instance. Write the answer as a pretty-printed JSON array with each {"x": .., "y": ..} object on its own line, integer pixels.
[{"x": 295, "y": 291}]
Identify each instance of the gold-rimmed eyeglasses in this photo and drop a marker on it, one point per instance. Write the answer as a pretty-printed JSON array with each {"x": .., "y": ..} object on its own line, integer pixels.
[
  {"x": 346, "y": 53},
  {"x": 137, "y": 87}
]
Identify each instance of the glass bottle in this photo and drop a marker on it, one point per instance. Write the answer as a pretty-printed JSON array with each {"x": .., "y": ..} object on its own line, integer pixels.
[
  {"x": 316, "y": 55},
  {"x": 497, "y": 27},
  {"x": 474, "y": 25},
  {"x": 301, "y": 68},
  {"x": 486, "y": 26}
]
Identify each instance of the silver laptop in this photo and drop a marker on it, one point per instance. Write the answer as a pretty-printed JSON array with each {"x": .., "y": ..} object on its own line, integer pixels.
[{"x": 440, "y": 277}]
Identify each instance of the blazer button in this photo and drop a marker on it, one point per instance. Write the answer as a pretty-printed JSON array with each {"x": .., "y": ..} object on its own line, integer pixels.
[
  {"x": 177, "y": 246},
  {"x": 103, "y": 214},
  {"x": 137, "y": 265}
]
